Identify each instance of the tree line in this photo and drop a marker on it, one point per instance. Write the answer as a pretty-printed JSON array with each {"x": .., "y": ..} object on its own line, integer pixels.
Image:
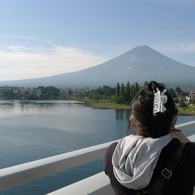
[
  {"x": 46, "y": 93},
  {"x": 123, "y": 93},
  {"x": 120, "y": 94}
]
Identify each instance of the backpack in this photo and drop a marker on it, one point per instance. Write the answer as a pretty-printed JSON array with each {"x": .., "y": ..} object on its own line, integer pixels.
[{"x": 154, "y": 187}]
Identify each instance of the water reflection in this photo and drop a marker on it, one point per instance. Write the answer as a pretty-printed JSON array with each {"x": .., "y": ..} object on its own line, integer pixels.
[
  {"x": 9, "y": 108},
  {"x": 122, "y": 120},
  {"x": 122, "y": 114},
  {"x": 35, "y": 106}
]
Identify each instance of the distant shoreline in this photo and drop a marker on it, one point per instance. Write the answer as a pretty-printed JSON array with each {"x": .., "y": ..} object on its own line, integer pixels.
[{"x": 127, "y": 107}]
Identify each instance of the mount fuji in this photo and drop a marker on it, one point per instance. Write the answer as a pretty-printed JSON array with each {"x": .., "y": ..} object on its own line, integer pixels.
[{"x": 137, "y": 65}]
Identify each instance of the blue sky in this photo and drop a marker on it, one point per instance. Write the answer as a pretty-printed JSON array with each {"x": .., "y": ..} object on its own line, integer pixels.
[{"x": 41, "y": 38}]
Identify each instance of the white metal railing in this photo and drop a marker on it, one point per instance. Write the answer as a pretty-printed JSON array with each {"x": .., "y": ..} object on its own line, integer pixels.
[{"x": 96, "y": 184}]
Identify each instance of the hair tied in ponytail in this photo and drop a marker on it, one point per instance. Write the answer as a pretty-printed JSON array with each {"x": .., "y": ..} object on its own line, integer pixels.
[{"x": 159, "y": 100}]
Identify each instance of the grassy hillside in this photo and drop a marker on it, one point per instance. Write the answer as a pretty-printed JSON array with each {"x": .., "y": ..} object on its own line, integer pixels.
[{"x": 189, "y": 110}]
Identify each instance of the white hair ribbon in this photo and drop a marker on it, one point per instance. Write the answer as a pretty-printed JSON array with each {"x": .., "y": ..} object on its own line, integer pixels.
[{"x": 159, "y": 100}]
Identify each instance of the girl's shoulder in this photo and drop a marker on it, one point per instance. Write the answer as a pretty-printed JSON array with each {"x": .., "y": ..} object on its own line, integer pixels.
[
  {"x": 177, "y": 134},
  {"x": 110, "y": 150}
]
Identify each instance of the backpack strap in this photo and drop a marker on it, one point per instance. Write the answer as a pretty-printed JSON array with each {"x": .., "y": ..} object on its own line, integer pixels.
[{"x": 155, "y": 186}]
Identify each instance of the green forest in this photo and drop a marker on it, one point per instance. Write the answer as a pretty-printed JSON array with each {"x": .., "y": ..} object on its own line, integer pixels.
[{"x": 120, "y": 94}]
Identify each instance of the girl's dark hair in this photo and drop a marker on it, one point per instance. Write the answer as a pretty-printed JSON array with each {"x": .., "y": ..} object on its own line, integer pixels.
[{"x": 151, "y": 125}]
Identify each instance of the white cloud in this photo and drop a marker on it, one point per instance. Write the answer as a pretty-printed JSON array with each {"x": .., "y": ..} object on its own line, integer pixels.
[
  {"x": 8, "y": 36},
  {"x": 18, "y": 62}
]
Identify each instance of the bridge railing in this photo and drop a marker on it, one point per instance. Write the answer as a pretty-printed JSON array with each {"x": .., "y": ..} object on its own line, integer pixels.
[{"x": 96, "y": 184}]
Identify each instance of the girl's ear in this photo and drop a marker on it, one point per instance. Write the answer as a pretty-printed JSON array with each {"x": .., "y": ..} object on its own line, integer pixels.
[{"x": 131, "y": 120}]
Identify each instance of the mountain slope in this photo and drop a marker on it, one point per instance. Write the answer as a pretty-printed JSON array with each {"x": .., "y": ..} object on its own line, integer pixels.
[{"x": 139, "y": 64}]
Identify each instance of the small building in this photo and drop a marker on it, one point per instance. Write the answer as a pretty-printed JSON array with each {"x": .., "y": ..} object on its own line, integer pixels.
[
  {"x": 192, "y": 95},
  {"x": 182, "y": 95},
  {"x": 64, "y": 92},
  {"x": 36, "y": 92},
  {"x": 5, "y": 88}
]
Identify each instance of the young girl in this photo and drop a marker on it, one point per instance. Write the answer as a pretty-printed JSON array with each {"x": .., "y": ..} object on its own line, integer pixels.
[{"x": 153, "y": 161}]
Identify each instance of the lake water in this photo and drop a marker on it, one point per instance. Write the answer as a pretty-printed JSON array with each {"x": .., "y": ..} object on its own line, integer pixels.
[{"x": 32, "y": 130}]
